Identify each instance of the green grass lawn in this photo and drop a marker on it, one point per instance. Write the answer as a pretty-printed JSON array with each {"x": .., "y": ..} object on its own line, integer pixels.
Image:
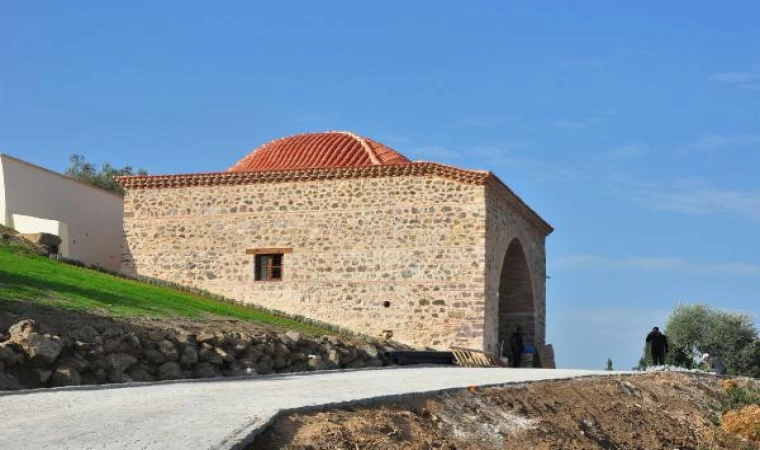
[{"x": 27, "y": 277}]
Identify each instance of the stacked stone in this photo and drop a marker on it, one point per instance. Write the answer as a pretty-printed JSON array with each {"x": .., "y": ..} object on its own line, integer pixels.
[
  {"x": 89, "y": 356},
  {"x": 46, "y": 242},
  {"x": 404, "y": 254}
]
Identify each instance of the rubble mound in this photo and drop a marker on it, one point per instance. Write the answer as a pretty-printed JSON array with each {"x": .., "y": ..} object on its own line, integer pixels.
[
  {"x": 744, "y": 422},
  {"x": 663, "y": 410},
  {"x": 29, "y": 243}
]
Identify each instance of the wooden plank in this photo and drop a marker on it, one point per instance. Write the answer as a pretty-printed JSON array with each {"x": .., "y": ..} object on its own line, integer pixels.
[
  {"x": 268, "y": 251},
  {"x": 467, "y": 357}
]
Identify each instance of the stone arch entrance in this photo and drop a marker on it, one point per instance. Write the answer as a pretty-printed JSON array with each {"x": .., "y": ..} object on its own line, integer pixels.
[{"x": 516, "y": 302}]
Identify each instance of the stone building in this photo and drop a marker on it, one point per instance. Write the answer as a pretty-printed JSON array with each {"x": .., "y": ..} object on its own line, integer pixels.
[{"x": 343, "y": 229}]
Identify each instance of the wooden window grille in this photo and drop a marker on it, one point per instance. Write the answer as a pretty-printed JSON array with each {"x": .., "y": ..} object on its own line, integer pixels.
[{"x": 268, "y": 267}]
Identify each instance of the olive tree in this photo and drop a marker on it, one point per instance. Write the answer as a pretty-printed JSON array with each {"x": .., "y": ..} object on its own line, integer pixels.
[
  {"x": 693, "y": 329},
  {"x": 102, "y": 177}
]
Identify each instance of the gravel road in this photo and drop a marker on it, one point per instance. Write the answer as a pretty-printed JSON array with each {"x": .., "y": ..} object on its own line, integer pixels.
[{"x": 215, "y": 414}]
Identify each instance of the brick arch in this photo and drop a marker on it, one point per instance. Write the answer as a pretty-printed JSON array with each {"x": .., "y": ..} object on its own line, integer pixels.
[{"x": 517, "y": 305}]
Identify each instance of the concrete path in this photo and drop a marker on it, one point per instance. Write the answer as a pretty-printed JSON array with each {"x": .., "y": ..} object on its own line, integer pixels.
[{"x": 218, "y": 414}]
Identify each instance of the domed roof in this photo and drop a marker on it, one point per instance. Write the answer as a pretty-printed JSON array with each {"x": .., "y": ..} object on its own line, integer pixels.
[{"x": 319, "y": 150}]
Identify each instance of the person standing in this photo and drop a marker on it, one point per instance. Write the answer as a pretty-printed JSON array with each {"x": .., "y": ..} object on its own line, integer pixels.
[
  {"x": 658, "y": 346},
  {"x": 516, "y": 343}
]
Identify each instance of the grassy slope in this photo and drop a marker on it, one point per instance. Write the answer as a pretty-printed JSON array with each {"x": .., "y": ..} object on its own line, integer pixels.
[{"x": 27, "y": 277}]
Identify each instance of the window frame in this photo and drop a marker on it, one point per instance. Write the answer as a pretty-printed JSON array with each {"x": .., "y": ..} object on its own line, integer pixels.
[
  {"x": 273, "y": 262},
  {"x": 266, "y": 265}
]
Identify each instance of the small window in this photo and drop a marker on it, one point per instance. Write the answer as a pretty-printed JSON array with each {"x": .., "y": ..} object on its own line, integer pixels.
[{"x": 268, "y": 267}]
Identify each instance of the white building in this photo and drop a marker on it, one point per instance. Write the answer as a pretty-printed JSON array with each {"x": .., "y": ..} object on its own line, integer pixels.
[{"x": 88, "y": 219}]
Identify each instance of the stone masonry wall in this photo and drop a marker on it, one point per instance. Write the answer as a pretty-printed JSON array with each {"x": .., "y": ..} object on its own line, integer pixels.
[
  {"x": 503, "y": 225},
  {"x": 415, "y": 242}
]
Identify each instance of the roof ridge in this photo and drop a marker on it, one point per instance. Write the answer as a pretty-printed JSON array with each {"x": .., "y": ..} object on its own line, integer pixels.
[
  {"x": 365, "y": 145},
  {"x": 360, "y": 139}
]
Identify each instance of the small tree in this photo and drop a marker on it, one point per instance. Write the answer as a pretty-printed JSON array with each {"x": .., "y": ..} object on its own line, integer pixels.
[
  {"x": 609, "y": 364},
  {"x": 82, "y": 170}
]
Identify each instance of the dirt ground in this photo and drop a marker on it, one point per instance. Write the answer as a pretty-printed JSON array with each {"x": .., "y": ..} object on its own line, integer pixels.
[
  {"x": 657, "y": 411},
  {"x": 60, "y": 321}
]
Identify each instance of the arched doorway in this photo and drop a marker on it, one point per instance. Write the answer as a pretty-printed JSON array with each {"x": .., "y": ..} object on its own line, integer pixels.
[{"x": 516, "y": 305}]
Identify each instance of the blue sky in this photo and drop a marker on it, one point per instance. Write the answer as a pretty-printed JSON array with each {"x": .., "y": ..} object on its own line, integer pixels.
[{"x": 633, "y": 129}]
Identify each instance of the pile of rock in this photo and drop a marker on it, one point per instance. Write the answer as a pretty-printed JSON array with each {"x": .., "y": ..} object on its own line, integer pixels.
[
  {"x": 29, "y": 359},
  {"x": 30, "y": 242},
  {"x": 47, "y": 243}
]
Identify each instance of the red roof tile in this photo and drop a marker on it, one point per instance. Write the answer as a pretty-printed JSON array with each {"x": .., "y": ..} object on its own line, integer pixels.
[{"x": 319, "y": 150}]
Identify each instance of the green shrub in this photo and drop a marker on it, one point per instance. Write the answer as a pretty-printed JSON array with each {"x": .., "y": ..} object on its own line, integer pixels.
[{"x": 740, "y": 397}]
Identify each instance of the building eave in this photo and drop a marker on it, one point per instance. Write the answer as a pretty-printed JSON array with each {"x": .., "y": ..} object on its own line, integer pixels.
[
  {"x": 528, "y": 213},
  {"x": 294, "y": 175}
]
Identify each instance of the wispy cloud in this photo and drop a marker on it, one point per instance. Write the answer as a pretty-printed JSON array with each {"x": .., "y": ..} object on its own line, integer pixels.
[
  {"x": 609, "y": 314},
  {"x": 627, "y": 151},
  {"x": 507, "y": 157},
  {"x": 495, "y": 150},
  {"x": 689, "y": 196},
  {"x": 716, "y": 142},
  {"x": 608, "y": 321},
  {"x": 744, "y": 80},
  {"x": 733, "y": 77},
  {"x": 703, "y": 201},
  {"x": 493, "y": 120},
  {"x": 543, "y": 171},
  {"x": 658, "y": 264}
]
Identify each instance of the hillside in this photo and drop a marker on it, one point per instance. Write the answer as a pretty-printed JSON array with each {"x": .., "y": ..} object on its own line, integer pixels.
[
  {"x": 63, "y": 325},
  {"x": 31, "y": 284},
  {"x": 683, "y": 411}
]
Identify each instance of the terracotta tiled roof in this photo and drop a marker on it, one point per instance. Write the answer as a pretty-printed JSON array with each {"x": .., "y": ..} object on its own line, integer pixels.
[
  {"x": 319, "y": 150},
  {"x": 328, "y": 156},
  {"x": 231, "y": 178}
]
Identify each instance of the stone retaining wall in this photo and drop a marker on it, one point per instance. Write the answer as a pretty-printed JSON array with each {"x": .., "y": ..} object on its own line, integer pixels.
[{"x": 112, "y": 354}]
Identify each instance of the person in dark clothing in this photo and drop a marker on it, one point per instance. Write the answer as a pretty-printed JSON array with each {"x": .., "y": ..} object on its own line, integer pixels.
[
  {"x": 516, "y": 343},
  {"x": 715, "y": 364},
  {"x": 658, "y": 346}
]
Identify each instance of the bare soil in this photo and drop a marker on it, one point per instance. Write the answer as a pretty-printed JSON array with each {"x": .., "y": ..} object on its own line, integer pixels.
[
  {"x": 61, "y": 321},
  {"x": 656, "y": 411}
]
